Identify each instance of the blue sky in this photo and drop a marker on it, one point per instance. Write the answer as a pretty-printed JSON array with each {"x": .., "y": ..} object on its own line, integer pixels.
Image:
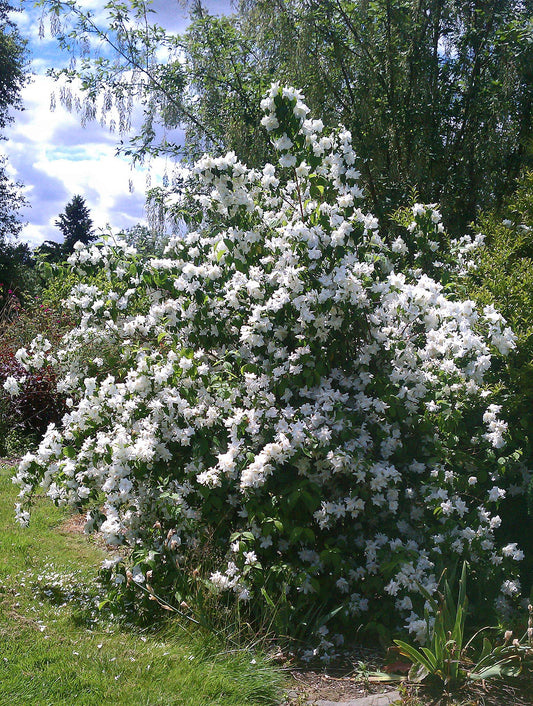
[{"x": 55, "y": 157}]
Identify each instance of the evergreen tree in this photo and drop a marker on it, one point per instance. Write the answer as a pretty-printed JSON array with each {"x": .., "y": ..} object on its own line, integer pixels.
[{"x": 76, "y": 224}]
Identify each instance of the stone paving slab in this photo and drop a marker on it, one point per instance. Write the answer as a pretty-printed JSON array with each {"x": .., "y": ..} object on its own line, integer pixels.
[{"x": 371, "y": 700}]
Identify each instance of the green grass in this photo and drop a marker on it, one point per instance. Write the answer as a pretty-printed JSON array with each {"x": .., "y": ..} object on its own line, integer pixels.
[{"x": 54, "y": 649}]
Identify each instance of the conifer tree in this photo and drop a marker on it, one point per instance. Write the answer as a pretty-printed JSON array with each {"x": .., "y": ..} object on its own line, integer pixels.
[{"x": 76, "y": 224}]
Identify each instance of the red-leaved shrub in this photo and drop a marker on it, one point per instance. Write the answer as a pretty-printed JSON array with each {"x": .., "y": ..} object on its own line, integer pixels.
[{"x": 38, "y": 402}]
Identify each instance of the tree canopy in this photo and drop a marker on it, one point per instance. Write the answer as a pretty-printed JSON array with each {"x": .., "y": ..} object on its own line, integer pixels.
[
  {"x": 76, "y": 225},
  {"x": 437, "y": 94},
  {"x": 12, "y": 64},
  {"x": 13, "y": 257}
]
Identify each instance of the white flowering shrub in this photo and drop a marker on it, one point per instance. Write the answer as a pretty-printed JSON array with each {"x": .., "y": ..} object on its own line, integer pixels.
[{"x": 288, "y": 390}]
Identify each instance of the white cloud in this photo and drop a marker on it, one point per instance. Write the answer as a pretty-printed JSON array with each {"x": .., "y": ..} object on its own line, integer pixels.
[{"x": 56, "y": 158}]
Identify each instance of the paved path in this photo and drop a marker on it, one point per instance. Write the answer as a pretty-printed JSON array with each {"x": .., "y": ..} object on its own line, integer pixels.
[{"x": 372, "y": 700}]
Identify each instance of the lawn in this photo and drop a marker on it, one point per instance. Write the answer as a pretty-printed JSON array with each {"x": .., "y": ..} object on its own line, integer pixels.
[{"x": 55, "y": 649}]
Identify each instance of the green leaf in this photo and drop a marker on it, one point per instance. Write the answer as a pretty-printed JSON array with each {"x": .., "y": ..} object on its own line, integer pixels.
[
  {"x": 486, "y": 649},
  {"x": 501, "y": 669},
  {"x": 70, "y": 451},
  {"x": 418, "y": 673},
  {"x": 431, "y": 658},
  {"x": 416, "y": 657},
  {"x": 373, "y": 677},
  {"x": 267, "y": 598}
]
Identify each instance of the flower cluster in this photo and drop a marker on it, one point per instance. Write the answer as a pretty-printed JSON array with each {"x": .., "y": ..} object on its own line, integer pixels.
[{"x": 287, "y": 387}]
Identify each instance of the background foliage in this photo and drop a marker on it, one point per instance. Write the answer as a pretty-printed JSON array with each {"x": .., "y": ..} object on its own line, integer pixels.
[
  {"x": 437, "y": 94},
  {"x": 13, "y": 257}
]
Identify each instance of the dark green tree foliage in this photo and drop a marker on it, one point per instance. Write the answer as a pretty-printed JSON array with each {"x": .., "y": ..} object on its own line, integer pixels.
[
  {"x": 16, "y": 264},
  {"x": 147, "y": 241},
  {"x": 504, "y": 278},
  {"x": 11, "y": 200},
  {"x": 437, "y": 93},
  {"x": 227, "y": 81},
  {"x": 12, "y": 78},
  {"x": 15, "y": 258},
  {"x": 12, "y": 64},
  {"x": 75, "y": 224}
]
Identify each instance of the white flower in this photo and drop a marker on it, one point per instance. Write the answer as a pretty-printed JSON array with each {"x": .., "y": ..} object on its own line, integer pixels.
[
  {"x": 250, "y": 557},
  {"x": 111, "y": 563},
  {"x": 287, "y": 160},
  {"x": 282, "y": 143},
  {"x": 11, "y": 385},
  {"x": 496, "y": 494},
  {"x": 243, "y": 594},
  {"x": 221, "y": 581},
  {"x": 270, "y": 122},
  {"x": 510, "y": 588},
  {"x": 418, "y": 627},
  {"x": 511, "y": 550},
  {"x": 342, "y": 585},
  {"x": 399, "y": 246},
  {"x": 22, "y": 516}
]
